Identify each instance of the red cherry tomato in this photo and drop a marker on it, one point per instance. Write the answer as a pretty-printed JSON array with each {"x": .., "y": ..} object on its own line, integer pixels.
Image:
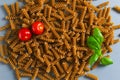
[
  {"x": 37, "y": 28},
  {"x": 24, "y": 34}
]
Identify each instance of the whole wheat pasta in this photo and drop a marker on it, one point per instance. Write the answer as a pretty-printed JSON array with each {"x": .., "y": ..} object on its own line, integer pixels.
[
  {"x": 67, "y": 77},
  {"x": 19, "y": 45},
  {"x": 17, "y": 74},
  {"x": 82, "y": 39},
  {"x": 57, "y": 24},
  {"x": 28, "y": 48},
  {"x": 91, "y": 6},
  {"x": 104, "y": 12},
  {"x": 17, "y": 7},
  {"x": 56, "y": 73},
  {"x": 25, "y": 20},
  {"x": 68, "y": 17},
  {"x": 60, "y": 68},
  {"x": 49, "y": 12},
  {"x": 67, "y": 37},
  {"x": 82, "y": 48},
  {"x": 52, "y": 2},
  {"x": 73, "y": 74},
  {"x": 12, "y": 24},
  {"x": 1, "y": 38},
  {"x": 14, "y": 43},
  {"x": 81, "y": 67},
  {"x": 62, "y": 76},
  {"x": 116, "y": 41},
  {"x": 74, "y": 18},
  {"x": 56, "y": 16},
  {"x": 109, "y": 49},
  {"x": 54, "y": 32},
  {"x": 50, "y": 53},
  {"x": 2, "y": 51},
  {"x": 41, "y": 59},
  {"x": 4, "y": 27},
  {"x": 35, "y": 74},
  {"x": 91, "y": 18},
  {"x": 11, "y": 64},
  {"x": 55, "y": 53},
  {"x": 25, "y": 13},
  {"x": 109, "y": 19},
  {"x": 87, "y": 68},
  {"x": 67, "y": 44},
  {"x": 116, "y": 27},
  {"x": 28, "y": 63},
  {"x": 7, "y": 35},
  {"x": 5, "y": 49},
  {"x": 103, "y": 4},
  {"x": 75, "y": 24},
  {"x": 34, "y": 63},
  {"x": 61, "y": 52},
  {"x": 48, "y": 69},
  {"x": 96, "y": 64},
  {"x": 61, "y": 13},
  {"x": 48, "y": 76},
  {"x": 13, "y": 9},
  {"x": 46, "y": 60},
  {"x": 60, "y": 5},
  {"x": 100, "y": 13},
  {"x": 45, "y": 11},
  {"x": 25, "y": 74},
  {"x": 22, "y": 57},
  {"x": 117, "y": 8},
  {"x": 83, "y": 14},
  {"x": 40, "y": 76},
  {"x": 35, "y": 9},
  {"x": 51, "y": 58},
  {"x": 69, "y": 68},
  {"x": 3, "y": 60},
  {"x": 70, "y": 11},
  {"x": 74, "y": 41},
  {"x": 74, "y": 5},
  {"x": 14, "y": 61},
  {"x": 107, "y": 12},
  {"x": 7, "y": 9},
  {"x": 10, "y": 17},
  {"x": 46, "y": 46},
  {"x": 91, "y": 76},
  {"x": 48, "y": 40},
  {"x": 63, "y": 24},
  {"x": 54, "y": 62},
  {"x": 14, "y": 55}
]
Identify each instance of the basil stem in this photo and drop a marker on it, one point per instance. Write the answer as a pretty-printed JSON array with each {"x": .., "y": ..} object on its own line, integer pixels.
[
  {"x": 106, "y": 61},
  {"x": 98, "y": 52}
]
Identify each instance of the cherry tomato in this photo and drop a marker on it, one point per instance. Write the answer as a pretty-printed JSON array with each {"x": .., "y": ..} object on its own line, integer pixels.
[
  {"x": 24, "y": 34},
  {"x": 37, "y": 28}
]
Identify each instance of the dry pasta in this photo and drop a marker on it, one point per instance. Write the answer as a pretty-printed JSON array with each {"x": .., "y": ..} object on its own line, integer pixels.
[{"x": 61, "y": 52}]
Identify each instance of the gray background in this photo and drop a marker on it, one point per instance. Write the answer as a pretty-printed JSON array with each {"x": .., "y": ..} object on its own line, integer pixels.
[{"x": 111, "y": 72}]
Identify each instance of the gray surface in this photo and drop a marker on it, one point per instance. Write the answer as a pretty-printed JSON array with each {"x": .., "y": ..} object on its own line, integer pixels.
[{"x": 110, "y": 72}]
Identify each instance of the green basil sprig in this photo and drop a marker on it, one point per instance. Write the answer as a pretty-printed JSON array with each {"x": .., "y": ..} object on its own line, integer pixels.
[
  {"x": 94, "y": 42},
  {"x": 106, "y": 61}
]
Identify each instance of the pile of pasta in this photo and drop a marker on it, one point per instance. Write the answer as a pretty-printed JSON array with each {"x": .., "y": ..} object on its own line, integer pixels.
[{"x": 61, "y": 52}]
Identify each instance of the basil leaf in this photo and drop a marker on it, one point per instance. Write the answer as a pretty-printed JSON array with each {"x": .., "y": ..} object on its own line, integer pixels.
[
  {"x": 98, "y": 35},
  {"x": 98, "y": 52},
  {"x": 93, "y": 59},
  {"x": 92, "y": 43},
  {"x": 106, "y": 61}
]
